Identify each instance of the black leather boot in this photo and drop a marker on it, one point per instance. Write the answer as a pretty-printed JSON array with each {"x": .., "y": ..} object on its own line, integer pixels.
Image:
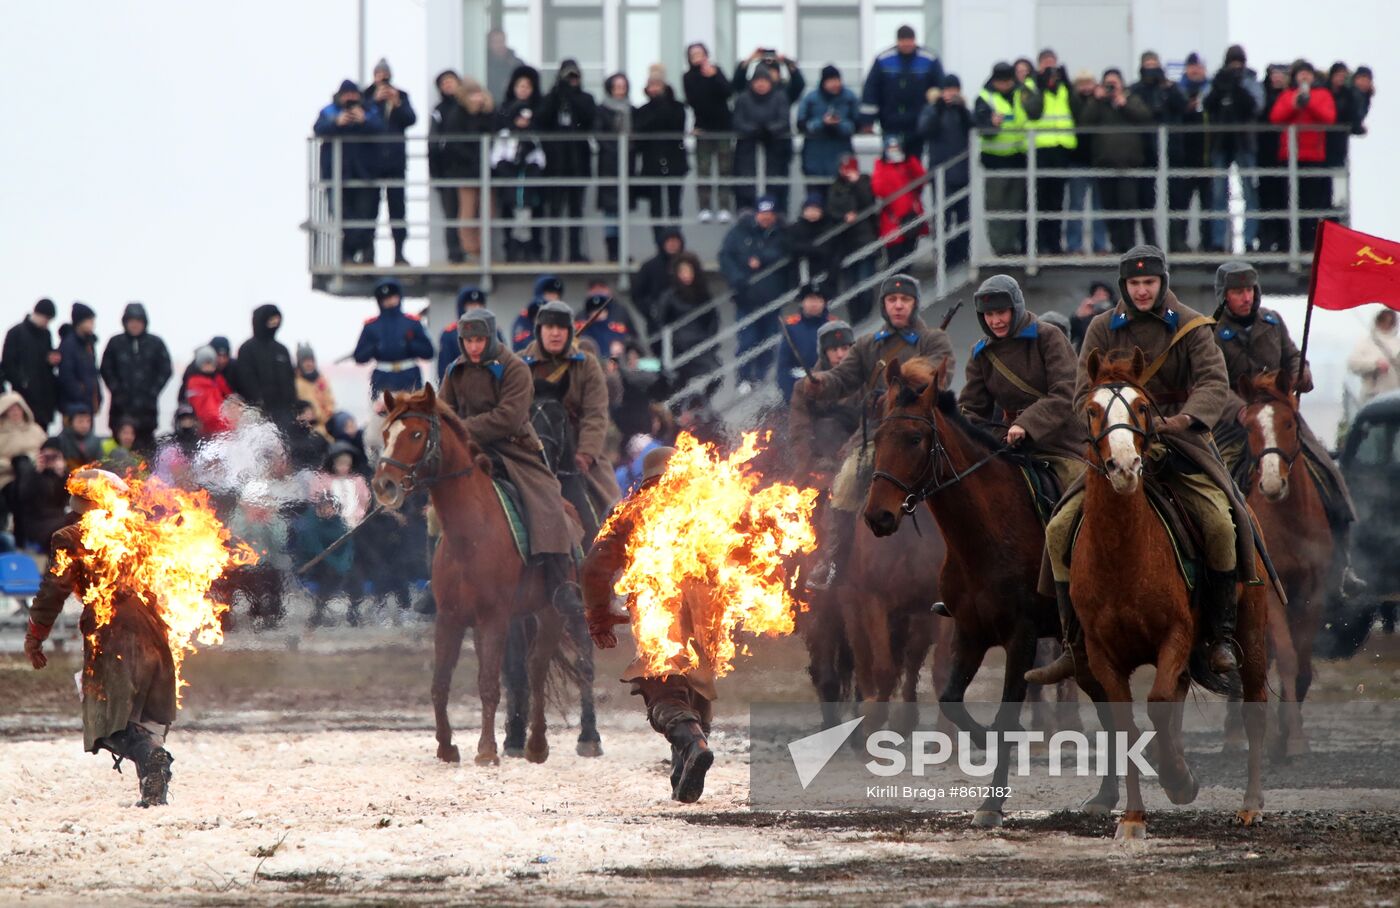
[
  {"x": 1220, "y": 606},
  {"x": 560, "y": 585},
  {"x": 1072, "y": 638},
  {"x": 695, "y": 757}
]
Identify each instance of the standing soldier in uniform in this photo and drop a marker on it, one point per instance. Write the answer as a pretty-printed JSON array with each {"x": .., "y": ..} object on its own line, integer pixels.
[
  {"x": 1024, "y": 374},
  {"x": 395, "y": 341},
  {"x": 490, "y": 388},
  {"x": 129, "y": 698},
  {"x": 469, "y": 297},
  {"x": 904, "y": 337},
  {"x": 678, "y": 703},
  {"x": 559, "y": 368},
  {"x": 1189, "y": 388},
  {"x": 1255, "y": 340}
]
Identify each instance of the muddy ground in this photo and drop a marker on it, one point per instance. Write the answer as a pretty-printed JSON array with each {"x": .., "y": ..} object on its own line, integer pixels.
[{"x": 305, "y": 772}]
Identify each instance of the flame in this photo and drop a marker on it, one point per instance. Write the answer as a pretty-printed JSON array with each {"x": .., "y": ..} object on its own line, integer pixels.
[
  {"x": 708, "y": 556},
  {"x": 162, "y": 544}
]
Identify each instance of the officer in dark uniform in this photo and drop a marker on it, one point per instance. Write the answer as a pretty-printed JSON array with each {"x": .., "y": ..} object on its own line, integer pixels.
[
  {"x": 802, "y": 327},
  {"x": 469, "y": 297},
  {"x": 394, "y": 341},
  {"x": 612, "y": 324},
  {"x": 548, "y": 288}
]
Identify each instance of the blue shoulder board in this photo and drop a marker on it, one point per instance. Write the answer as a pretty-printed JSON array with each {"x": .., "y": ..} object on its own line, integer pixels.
[
  {"x": 528, "y": 360},
  {"x": 1227, "y": 334},
  {"x": 911, "y": 337},
  {"x": 1271, "y": 318},
  {"x": 578, "y": 356},
  {"x": 1030, "y": 332},
  {"x": 1171, "y": 317},
  {"x": 978, "y": 347},
  {"x": 882, "y": 334},
  {"x": 497, "y": 370},
  {"x": 1119, "y": 320}
]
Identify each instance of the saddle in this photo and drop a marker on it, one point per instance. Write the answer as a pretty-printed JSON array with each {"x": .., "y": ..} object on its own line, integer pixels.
[
  {"x": 514, "y": 507},
  {"x": 1044, "y": 487}
]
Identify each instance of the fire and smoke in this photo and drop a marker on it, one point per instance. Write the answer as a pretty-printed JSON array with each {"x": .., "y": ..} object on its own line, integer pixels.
[
  {"x": 163, "y": 544},
  {"x": 708, "y": 557}
]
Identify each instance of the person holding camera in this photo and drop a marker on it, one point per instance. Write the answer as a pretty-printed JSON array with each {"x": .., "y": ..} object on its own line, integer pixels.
[
  {"x": 344, "y": 121},
  {"x": 1112, "y": 105},
  {"x": 1236, "y": 96},
  {"x": 896, "y": 89},
  {"x": 1003, "y": 109},
  {"x": 707, "y": 93},
  {"x": 1302, "y": 106},
  {"x": 946, "y": 124},
  {"x": 827, "y": 117},
  {"x": 761, "y": 119},
  {"x": 397, "y": 115},
  {"x": 782, "y": 70},
  {"x": 1055, "y": 142}
]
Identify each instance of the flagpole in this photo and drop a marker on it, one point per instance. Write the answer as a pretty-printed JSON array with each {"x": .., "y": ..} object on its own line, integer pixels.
[{"x": 1312, "y": 289}]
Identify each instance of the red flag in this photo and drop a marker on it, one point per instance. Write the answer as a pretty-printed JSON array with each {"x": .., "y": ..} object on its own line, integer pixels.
[{"x": 1351, "y": 268}]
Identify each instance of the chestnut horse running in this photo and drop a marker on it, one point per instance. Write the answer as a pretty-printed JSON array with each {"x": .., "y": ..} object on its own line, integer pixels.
[
  {"x": 926, "y": 451},
  {"x": 1124, "y": 546},
  {"x": 479, "y": 578},
  {"x": 1285, "y": 497}
]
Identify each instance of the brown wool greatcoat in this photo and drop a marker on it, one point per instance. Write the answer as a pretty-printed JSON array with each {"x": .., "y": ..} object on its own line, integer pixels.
[
  {"x": 1041, "y": 357},
  {"x": 130, "y": 676},
  {"x": 587, "y": 402},
  {"x": 493, "y": 398},
  {"x": 1266, "y": 346}
]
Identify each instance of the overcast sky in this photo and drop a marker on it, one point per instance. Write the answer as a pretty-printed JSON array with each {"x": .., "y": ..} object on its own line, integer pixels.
[{"x": 156, "y": 150}]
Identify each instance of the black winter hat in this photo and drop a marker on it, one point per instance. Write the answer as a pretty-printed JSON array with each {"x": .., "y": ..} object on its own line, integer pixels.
[
  {"x": 221, "y": 344},
  {"x": 81, "y": 312},
  {"x": 905, "y": 31},
  {"x": 829, "y": 71},
  {"x": 1235, "y": 53},
  {"x": 470, "y": 295},
  {"x": 1363, "y": 71},
  {"x": 46, "y": 308},
  {"x": 1003, "y": 70},
  {"x": 951, "y": 80},
  {"x": 347, "y": 85},
  {"x": 134, "y": 311}
]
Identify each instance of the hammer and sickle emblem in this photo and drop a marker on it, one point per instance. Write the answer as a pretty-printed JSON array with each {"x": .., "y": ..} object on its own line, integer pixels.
[{"x": 1366, "y": 254}]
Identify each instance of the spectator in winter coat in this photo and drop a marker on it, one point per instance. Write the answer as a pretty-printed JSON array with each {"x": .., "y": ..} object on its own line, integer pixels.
[
  {"x": 654, "y": 278},
  {"x": 687, "y": 293},
  {"x": 1190, "y": 150},
  {"x": 893, "y": 172},
  {"x": 515, "y": 155},
  {"x": 313, "y": 387},
  {"x": 266, "y": 376},
  {"x": 1235, "y": 97},
  {"x": 1005, "y": 107},
  {"x": 805, "y": 244},
  {"x": 501, "y": 63},
  {"x": 344, "y": 428},
  {"x": 29, "y": 360},
  {"x": 469, "y": 297},
  {"x": 707, "y": 93},
  {"x": 78, "y": 442},
  {"x": 1376, "y": 357},
  {"x": 20, "y": 436},
  {"x": 567, "y": 108},
  {"x": 1112, "y": 105},
  {"x": 761, "y": 120},
  {"x": 946, "y": 125},
  {"x": 79, "y": 381},
  {"x": 136, "y": 368},
  {"x": 120, "y": 454},
  {"x": 1055, "y": 142},
  {"x": 306, "y": 445},
  {"x": 662, "y": 159},
  {"x": 40, "y": 496},
  {"x": 466, "y": 110},
  {"x": 340, "y": 478},
  {"x": 1301, "y": 105},
  {"x": 1084, "y": 190},
  {"x": 615, "y": 114},
  {"x": 1347, "y": 101},
  {"x": 394, "y": 341},
  {"x": 1167, "y": 105},
  {"x": 849, "y": 196},
  {"x": 896, "y": 90},
  {"x": 754, "y": 244},
  {"x": 396, "y": 113},
  {"x": 1273, "y": 180},
  {"x": 1364, "y": 84},
  {"x": 345, "y": 120},
  {"x": 827, "y": 117},
  {"x": 787, "y": 77},
  {"x": 802, "y": 327},
  {"x": 206, "y": 392},
  {"x": 313, "y": 533}
]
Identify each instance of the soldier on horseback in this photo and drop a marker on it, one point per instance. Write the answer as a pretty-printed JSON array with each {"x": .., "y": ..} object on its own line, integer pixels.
[
  {"x": 566, "y": 373},
  {"x": 678, "y": 703},
  {"x": 1187, "y": 382},
  {"x": 1255, "y": 340},
  {"x": 862, "y": 372},
  {"x": 818, "y": 430},
  {"x": 1024, "y": 374},
  {"x": 490, "y": 388}
]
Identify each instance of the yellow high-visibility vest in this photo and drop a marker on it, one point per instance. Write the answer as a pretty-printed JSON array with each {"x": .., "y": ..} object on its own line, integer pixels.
[
  {"x": 1056, "y": 115},
  {"x": 1010, "y": 138}
]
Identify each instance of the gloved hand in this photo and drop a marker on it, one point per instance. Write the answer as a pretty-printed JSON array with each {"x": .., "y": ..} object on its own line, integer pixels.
[
  {"x": 1179, "y": 424},
  {"x": 34, "y": 644},
  {"x": 1305, "y": 384},
  {"x": 600, "y": 627}
]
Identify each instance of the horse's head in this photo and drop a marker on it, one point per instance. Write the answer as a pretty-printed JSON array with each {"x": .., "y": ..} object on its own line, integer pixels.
[
  {"x": 1270, "y": 419},
  {"x": 1119, "y": 412},
  {"x": 412, "y": 445},
  {"x": 904, "y": 442}
]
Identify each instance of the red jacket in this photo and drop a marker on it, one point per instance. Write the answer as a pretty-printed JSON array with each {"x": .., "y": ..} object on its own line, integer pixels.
[
  {"x": 206, "y": 393},
  {"x": 1320, "y": 109},
  {"x": 886, "y": 180}
]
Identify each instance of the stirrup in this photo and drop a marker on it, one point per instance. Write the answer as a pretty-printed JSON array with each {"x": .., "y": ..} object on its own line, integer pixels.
[{"x": 940, "y": 608}]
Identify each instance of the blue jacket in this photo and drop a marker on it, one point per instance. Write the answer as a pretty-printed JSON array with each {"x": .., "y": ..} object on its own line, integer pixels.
[
  {"x": 616, "y": 326},
  {"x": 313, "y": 534},
  {"x": 522, "y": 330},
  {"x": 825, "y": 144},
  {"x": 393, "y": 157},
  {"x": 79, "y": 380},
  {"x": 393, "y": 337},
  {"x": 447, "y": 350},
  {"x": 804, "y": 334},
  {"x": 896, "y": 88},
  {"x": 745, "y": 240},
  {"x": 358, "y": 160}
]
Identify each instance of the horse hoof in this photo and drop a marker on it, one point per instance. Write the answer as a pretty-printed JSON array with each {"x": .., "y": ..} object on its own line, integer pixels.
[
  {"x": 1130, "y": 829},
  {"x": 448, "y": 753},
  {"x": 1248, "y": 817},
  {"x": 488, "y": 760},
  {"x": 589, "y": 748},
  {"x": 986, "y": 819},
  {"x": 1297, "y": 747},
  {"x": 537, "y": 755},
  {"x": 1183, "y": 791},
  {"x": 514, "y": 751},
  {"x": 1095, "y": 808}
]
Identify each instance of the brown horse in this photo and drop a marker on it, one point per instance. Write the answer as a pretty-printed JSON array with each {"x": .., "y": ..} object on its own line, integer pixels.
[
  {"x": 1123, "y": 545},
  {"x": 479, "y": 578},
  {"x": 926, "y": 451},
  {"x": 1285, "y": 496}
]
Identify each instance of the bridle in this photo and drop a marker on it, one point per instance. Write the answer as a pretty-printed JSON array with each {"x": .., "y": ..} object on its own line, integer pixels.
[
  {"x": 1147, "y": 434},
  {"x": 1286, "y": 456},
  {"x": 926, "y": 484},
  {"x": 432, "y": 454}
]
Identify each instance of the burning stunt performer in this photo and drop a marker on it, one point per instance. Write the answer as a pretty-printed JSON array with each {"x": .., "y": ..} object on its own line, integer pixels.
[
  {"x": 129, "y": 681},
  {"x": 678, "y": 702}
]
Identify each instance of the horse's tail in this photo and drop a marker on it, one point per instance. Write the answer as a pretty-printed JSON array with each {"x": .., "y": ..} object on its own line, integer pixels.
[{"x": 1198, "y": 667}]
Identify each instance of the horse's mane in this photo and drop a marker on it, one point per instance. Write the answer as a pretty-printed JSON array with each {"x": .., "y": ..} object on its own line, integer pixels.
[
  {"x": 1117, "y": 366},
  {"x": 917, "y": 374},
  {"x": 1265, "y": 385}
]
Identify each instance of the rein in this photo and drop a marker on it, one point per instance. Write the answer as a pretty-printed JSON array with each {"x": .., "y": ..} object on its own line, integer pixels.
[
  {"x": 432, "y": 455},
  {"x": 927, "y": 484}
]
